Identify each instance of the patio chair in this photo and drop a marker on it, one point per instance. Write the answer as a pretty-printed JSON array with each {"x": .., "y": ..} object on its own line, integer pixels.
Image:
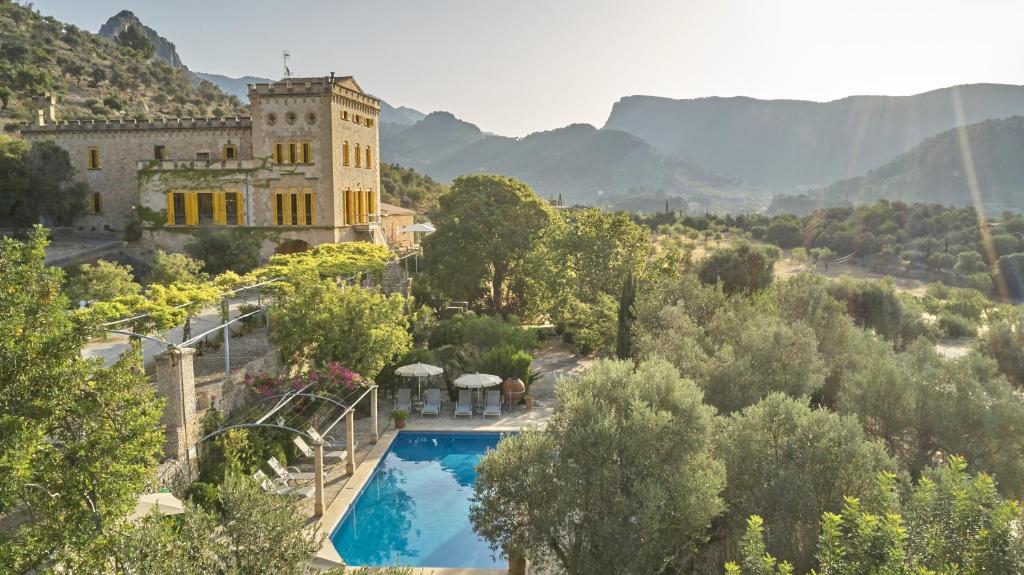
[
  {"x": 465, "y": 404},
  {"x": 404, "y": 400},
  {"x": 268, "y": 485},
  {"x": 431, "y": 402},
  {"x": 492, "y": 403},
  {"x": 307, "y": 451},
  {"x": 330, "y": 442},
  {"x": 289, "y": 473}
]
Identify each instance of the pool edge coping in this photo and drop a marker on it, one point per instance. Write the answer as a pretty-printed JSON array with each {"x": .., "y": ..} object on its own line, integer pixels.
[{"x": 332, "y": 516}]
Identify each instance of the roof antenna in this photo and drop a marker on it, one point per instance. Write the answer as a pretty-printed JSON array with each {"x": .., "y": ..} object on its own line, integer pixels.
[{"x": 285, "y": 55}]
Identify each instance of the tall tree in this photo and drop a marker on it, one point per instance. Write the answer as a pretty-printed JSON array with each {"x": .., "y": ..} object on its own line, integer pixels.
[
  {"x": 624, "y": 337},
  {"x": 622, "y": 480},
  {"x": 486, "y": 226},
  {"x": 359, "y": 328},
  {"x": 80, "y": 440}
]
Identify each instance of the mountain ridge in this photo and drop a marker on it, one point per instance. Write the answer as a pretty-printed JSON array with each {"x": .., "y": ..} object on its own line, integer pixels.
[{"x": 787, "y": 143}]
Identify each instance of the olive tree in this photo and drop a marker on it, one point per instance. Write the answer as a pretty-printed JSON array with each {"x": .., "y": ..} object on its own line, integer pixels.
[
  {"x": 103, "y": 281},
  {"x": 622, "y": 480}
]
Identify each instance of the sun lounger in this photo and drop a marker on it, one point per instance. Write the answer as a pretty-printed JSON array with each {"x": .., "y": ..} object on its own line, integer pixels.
[
  {"x": 431, "y": 402},
  {"x": 492, "y": 403},
  {"x": 269, "y": 486},
  {"x": 465, "y": 403},
  {"x": 404, "y": 401},
  {"x": 329, "y": 441},
  {"x": 307, "y": 451},
  {"x": 289, "y": 473}
]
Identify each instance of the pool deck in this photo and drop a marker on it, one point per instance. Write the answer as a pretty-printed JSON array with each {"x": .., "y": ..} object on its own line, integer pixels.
[
  {"x": 328, "y": 555},
  {"x": 555, "y": 361}
]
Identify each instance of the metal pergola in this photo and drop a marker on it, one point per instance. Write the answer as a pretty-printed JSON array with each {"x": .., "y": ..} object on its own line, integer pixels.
[{"x": 309, "y": 406}]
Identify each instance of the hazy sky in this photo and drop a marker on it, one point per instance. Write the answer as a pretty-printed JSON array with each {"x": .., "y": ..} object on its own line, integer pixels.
[{"x": 519, "y": 66}]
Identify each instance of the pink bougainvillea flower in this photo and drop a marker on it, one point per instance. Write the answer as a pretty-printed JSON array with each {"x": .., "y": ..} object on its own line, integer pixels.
[{"x": 313, "y": 376}]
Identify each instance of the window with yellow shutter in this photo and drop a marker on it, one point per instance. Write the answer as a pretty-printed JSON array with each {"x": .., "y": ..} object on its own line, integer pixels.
[
  {"x": 278, "y": 153},
  {"x": 293, "y": 208},
  {"x": 191, "y": 208},
  {"x": 307, "y": 153},
  {"x": 344, "y": 154},
  {"x": 358, "y": 157},
  {"x": 94, "y": 158},
  {"x": 229, "y": 152},
  {"x": 367, "y": 156},
  {"x": 309, "y": 206},
  {"x": 279, "y": 209},
  {"x": 293, "y": 153}
]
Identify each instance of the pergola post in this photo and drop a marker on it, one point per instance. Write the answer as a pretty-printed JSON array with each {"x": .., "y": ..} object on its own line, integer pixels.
[
  {"x": 350, "y": 441},
  {"x": 374, "y": 428},
  {"x": 318, "y": 479}
]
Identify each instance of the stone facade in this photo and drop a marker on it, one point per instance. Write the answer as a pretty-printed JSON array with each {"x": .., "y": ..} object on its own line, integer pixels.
[{"x": 304, "y": 167}]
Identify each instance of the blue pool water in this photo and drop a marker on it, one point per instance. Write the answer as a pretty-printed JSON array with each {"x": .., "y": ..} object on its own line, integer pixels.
[{"x": 414, "y": 510}]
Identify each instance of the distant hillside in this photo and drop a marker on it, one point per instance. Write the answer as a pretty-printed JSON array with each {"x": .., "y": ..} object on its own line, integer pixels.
[
  {"x": 408, "y": 188},
  {"x": 579, "y": 162},
  {"x": 237, "y": 87},
  {"x": 790, "y": 143},
  {"x": 163, "y": 48},
  {"x": 401, "y": 115},
  {"x": 934, "y": 171},
  {"x": 92, "y": 76}
]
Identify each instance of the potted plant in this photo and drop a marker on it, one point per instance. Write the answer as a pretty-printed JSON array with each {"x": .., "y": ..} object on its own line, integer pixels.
[
  {"x": 531, "y": 377},
  {"x": 399, "y": 415}
]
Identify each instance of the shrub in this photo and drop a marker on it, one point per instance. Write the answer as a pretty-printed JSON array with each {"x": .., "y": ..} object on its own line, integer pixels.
[
  {"x": 175, "y": 268},
  {"x": 955, "y": 325},
  {"x": 506, "y": 362},
  {"x": 204, "y": 495},
  {"x": 485, "y": 332},
  {"x": 102, "y": 281},
  {"x": 225, "y": 250}
]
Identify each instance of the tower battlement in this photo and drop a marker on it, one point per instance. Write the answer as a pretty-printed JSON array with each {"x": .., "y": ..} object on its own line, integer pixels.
[{"x": 122, "y": 124}]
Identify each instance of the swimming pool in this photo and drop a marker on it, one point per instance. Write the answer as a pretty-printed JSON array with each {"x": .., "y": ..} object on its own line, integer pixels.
[{"x": 414, "y": 510}]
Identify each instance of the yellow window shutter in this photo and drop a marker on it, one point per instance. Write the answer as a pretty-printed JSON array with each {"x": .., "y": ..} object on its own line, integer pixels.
[
  {"x": 348, "y": 207},
  {"x": 275, "y": 200},
  {"x": 170, "y": 208},
  {"x": 312, "y": 209},
  {"x": 300, "y": 206},
  {"x": 373, "y": 202},
  {"x": 219, "y": 209},
  {"x": 223, "y": 153},
  {"x": 240, "y": 211},
  {"x": 192, "y": 208}
]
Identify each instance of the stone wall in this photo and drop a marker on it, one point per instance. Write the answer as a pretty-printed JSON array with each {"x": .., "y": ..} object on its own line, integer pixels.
[{"x": 122, "y": 145}]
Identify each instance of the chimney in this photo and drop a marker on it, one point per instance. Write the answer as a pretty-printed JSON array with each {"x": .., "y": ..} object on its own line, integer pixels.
[{"x": 46, "y": 106}]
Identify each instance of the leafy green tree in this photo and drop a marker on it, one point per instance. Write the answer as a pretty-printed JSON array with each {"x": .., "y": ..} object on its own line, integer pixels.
[
  {"x": 743, "y": 268},
  {"x": 622, "y": 479},
  {"x": 624, "y": 336},
  {"x": 925, "y": 406},
  {"x": 1004, "y": 342},
  {"x": 755, "y": 356},
  {"x": 317, "y": 321},
  {"x": 175, "y": 268},
  {"x": 950, "y": 523},
  {"x": 785, "y": 233},
  {"x": 38, "y": 182},
  {"x": 822, "y": 255},
  {"x": 104, "y": 281},
  {"x": 257, "y": 533},
  {"x": 790, "y": 463},
  {"x": 80, "y": 440},
  {"x": 969, "y": 263},
  {"x": 486, "y": 227},
  {"x": 235, "y": 250},
  {"x": 591, "y": 252},
  {"x": 134, "y": 38}
]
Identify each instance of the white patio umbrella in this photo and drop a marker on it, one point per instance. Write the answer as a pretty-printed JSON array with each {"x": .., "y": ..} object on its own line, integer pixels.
[
  {"x": 476, "y": 380},
  {"x": 163, "y": 503},
  {"x": 424, "y": 228},
  {"x": 418, "y": 370}
]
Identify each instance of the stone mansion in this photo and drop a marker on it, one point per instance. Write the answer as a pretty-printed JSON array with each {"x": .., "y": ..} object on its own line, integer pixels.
[{"x": 304, "y": 167}]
